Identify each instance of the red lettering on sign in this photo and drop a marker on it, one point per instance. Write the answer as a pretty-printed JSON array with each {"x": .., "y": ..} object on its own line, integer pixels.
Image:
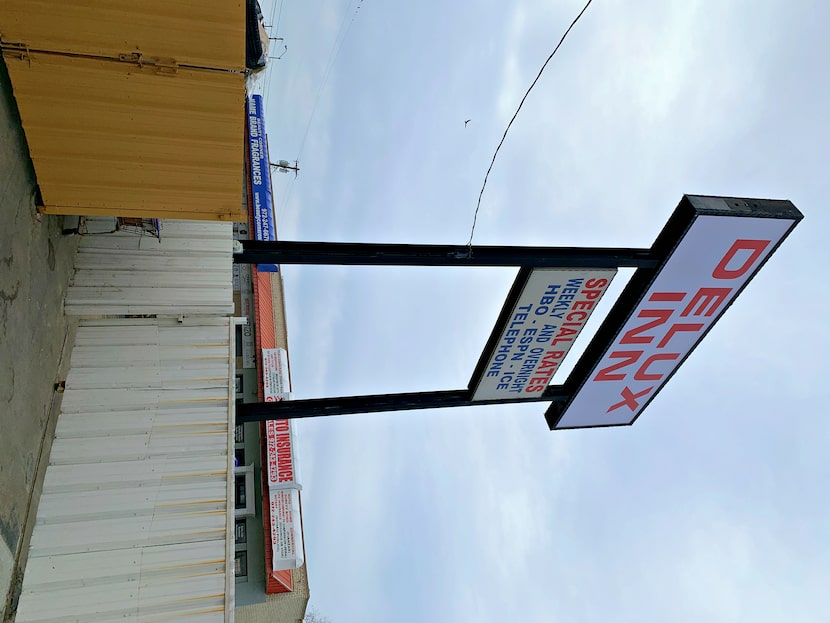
[
  {"x": 592, "y": 295},
  {"x": 628, "y": 357},
  {"x": 537, "y": 384},
  {"x": 562, "y": 336},
  {"x": 643, "y": 375},
  {"x": 632, "y": 335},
  {"x": 704, "y": 296},
  {"x": 280, "y": 461},
  {"x": 755, "y": 247},
  {"x": 596, "y": 283},
  {"x": 676, "y": 328},
  {"x": 548, "y": 360},
  {"x": 667, "y": 297},
  {"x": 629, "y": 399}
]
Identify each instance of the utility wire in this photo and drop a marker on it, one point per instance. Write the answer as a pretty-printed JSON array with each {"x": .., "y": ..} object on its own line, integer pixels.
[
  {"x": 279, "y": 17},
  {"x": 513, "y": 118},
  {"x": 333, "y": 54},
  {"x": 285, "y": 201},
  {"x": 269, "y": 67}
]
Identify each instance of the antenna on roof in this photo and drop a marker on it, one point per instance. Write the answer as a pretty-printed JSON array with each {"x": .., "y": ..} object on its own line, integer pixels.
[
  {"x": 283, "y": 166},
  {"x": 285, "y": 49}
]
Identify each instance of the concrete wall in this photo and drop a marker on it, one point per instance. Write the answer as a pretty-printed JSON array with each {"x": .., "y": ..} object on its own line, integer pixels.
[{"x": 35, "y": 264}]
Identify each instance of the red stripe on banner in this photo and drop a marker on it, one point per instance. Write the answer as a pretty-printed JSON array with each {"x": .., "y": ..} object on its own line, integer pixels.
[{"x": 265, "y": 337}]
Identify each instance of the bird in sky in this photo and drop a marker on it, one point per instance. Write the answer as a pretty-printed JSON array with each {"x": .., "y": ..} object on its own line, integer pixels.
[{"x": 466, "y": 122}]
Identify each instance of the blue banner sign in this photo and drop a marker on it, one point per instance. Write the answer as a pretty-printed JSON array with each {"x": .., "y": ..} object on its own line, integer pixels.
[{"x": 260, "y": 172}]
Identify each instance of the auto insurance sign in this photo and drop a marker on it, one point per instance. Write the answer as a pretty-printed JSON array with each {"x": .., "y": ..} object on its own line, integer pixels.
[
  {"x": 282, "y": 466},
  {"x": 283, "y": 495},
  {"x": 711, "y": 264},
  {"x": 542, "y": 327}
]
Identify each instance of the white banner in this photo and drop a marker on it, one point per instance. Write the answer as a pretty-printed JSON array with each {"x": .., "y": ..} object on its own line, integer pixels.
[
  {"x": 552, "y": 309},
  {"x": 246, "y": 294},
  {"x": 276, "y": 382},
  {"x": 286, "y": 529},
  {"x": 284, "y": 495},
  {"x": 280, "y": 452},
  {"x": 714, "y": 260},
  {"x": 282, "y": 467}
]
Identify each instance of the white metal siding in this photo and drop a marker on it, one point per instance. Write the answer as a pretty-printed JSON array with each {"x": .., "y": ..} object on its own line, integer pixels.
[
  {"x": 133, "y": 521},
  {"x": 188, "y": 271}
]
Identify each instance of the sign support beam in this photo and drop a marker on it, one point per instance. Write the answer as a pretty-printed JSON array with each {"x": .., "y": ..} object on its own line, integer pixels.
[
  {"x": 376, "y": 403},
  {"x": 369, "y": 254}
]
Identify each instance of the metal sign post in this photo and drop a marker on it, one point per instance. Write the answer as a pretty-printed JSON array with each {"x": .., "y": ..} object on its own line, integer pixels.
[{"x": 708, "y": 251}]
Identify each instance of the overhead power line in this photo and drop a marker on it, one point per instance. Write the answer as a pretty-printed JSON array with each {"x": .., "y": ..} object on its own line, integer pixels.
[
  {"x": 279, "y": 17},
  {"x": 515, "y": 114},
  {"x": 274, "y": 34},
  {"x": 333, "y": 54}
]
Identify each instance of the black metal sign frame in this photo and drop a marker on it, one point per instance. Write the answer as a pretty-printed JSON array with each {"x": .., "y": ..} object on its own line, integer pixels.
[{"x": 647, "y": 262}]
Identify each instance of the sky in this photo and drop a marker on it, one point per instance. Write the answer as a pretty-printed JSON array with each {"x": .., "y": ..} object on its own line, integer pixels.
[{"x": 713, "y": 506}]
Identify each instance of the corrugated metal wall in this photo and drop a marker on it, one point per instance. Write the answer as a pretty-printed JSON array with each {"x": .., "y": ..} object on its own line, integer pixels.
[
  {"x": 189, "y": 271},
  {"x": 203, "y": 33},
  {"x": 131, "y": 109},
  {"x": 115, "y": 139},
  {"x": 134, "y": 521}
]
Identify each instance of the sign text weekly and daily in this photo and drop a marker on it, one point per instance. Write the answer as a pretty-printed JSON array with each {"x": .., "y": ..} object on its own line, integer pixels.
[{"x": 551, "y": 311}]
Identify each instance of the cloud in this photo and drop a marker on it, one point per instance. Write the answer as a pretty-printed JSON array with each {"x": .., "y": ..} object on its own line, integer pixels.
[
  {"x": 315, "y": 298},
  {"x": 512, "y": 87},
  {"x": 299, "y": 107},
  {"x": 633, "y": 107},
  {"x": 347, "y": 512}
]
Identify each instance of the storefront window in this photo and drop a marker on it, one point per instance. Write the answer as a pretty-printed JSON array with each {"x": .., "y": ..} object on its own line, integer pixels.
[
  {"x": 241, "y": 532},
  {"x": 240, "y": 566},
  {"x": 241, "y": 494}
]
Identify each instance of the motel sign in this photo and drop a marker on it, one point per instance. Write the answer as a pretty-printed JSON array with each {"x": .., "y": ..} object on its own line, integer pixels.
[{"x": 706, "y": 254}]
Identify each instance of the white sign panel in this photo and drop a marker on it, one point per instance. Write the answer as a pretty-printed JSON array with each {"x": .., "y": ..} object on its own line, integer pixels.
[
  {"x": 552, "y": 309},
  {"x": 715, "y": 259},
  {"x": 286, "y": 529},
  {"x": 276, "y": 384},
  {"x": 279, "y": 447},
  {"x": 247, "y": 298},
  {"x": 236, "y": 283},
  {"x": 243, "y": 283},
  {"x": 283, "y": 494}
]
